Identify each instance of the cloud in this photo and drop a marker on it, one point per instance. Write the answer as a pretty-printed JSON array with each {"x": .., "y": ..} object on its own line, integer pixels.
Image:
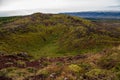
[
  {"x": 24, "y": 12},
  {"x": 56, "y": 6},
  {"x": 116, "y": 6},
  {"x": 1, "y": 2},
  {"x": 11, "y": 13}
]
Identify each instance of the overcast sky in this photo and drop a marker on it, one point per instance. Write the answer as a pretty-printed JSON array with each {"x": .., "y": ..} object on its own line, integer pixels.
[{"x": 17, "y": 7}]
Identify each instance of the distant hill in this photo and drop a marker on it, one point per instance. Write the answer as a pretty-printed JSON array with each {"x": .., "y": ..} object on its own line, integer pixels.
[{"x": 101, "y": 15}]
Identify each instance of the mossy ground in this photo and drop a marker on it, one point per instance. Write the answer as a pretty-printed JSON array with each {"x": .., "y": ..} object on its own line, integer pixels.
[
  {"x": 55, "y": 35},
  {"x": 58, "y": 47}
]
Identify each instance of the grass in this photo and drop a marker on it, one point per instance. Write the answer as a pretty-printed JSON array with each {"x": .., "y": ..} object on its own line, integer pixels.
[{"x": 48, "y": 50}]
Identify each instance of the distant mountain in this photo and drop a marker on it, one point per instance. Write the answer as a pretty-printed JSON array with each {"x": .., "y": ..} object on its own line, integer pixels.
[{"x": 107, "y": 15}]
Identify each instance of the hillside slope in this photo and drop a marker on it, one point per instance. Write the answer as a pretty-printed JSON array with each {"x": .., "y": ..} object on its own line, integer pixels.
[
  {"x": 55, "y": 35},
  {"x": 58, "y": 47}
]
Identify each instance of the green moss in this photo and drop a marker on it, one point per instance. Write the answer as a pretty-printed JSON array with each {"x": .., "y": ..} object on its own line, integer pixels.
[
  {"x": 43, "y": 72},
  {"x": 31, "y": 69},
  {"x": 116, "y": 68},
  {"x": 100, "y": 74},
  {"x": 75, "y": 68}
]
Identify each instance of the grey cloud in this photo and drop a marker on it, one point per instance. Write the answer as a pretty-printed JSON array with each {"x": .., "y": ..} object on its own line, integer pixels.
[
  {"x": 7, "y": 7},
  {"x": 21, "y": 12},
  {"x": 1, "y": 2},
  {"x": 117, "y": 6},
  {"x": 13, "y": 13}
]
